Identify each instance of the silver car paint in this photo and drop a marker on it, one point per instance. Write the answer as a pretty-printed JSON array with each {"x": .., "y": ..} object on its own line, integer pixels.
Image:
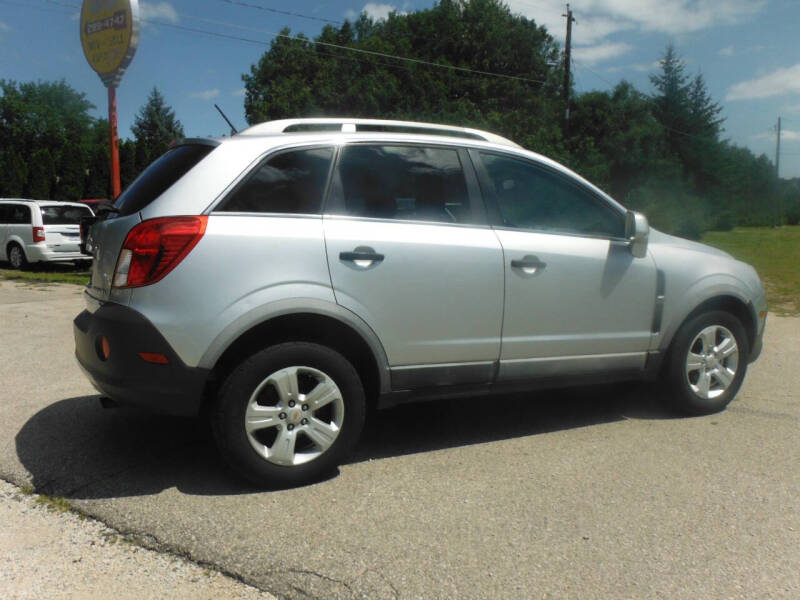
[
  {"x": 437, "y": 297},
  {"x": 592, "y": 297},
  {"x": 247, "y": 265},
  {"x": 242, "y": 263}
]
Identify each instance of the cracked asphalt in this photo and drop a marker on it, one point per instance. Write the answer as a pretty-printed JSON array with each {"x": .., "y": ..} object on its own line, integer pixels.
[{"x": 593, "y": 493}]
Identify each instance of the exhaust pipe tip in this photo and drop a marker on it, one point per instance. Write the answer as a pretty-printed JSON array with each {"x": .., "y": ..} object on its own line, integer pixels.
[{"x": 107, "y": 402}]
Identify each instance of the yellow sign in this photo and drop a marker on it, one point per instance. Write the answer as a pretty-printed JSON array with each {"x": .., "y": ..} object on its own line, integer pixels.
[{"x": 109, "y": 35}]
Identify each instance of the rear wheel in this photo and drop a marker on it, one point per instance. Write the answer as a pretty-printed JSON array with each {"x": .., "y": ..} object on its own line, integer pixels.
[
  {"x": 289, "y": 414},
  {"x": 16, "y": 256},
  {"x": 707, "y": 363}
]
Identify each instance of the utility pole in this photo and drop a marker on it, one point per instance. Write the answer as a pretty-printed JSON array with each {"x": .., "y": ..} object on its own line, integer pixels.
[
  {"x": 778, "y": 150},
  {"x": 778, "y": 207},
  {"x": 567, "y": 65}
]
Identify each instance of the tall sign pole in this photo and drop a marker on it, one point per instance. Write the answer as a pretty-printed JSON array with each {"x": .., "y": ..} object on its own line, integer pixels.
[
  {"x": 567, "y": 66},
  {"x": 109, "y": 36}
]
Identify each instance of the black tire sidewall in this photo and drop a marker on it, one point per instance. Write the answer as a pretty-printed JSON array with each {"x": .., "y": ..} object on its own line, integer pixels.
[
  {"x": 228, "y": 419},
  {"x": 680, "y": 394}
]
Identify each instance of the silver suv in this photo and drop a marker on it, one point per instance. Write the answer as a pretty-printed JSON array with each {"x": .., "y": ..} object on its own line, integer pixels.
[{"x": 283, "y": 280}]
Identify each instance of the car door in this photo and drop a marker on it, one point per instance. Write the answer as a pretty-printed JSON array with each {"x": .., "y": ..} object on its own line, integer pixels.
[
  {"x": 576, "y": 299},
  {"x": 5, "y": 212},
  {"x": 411, "y": 253}
]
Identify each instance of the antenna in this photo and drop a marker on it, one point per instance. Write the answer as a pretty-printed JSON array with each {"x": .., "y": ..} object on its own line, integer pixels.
[{"x": 227, "y": 120}]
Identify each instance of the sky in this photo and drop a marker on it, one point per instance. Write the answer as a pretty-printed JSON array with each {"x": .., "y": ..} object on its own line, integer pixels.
[{"x": 747, "y": 51}]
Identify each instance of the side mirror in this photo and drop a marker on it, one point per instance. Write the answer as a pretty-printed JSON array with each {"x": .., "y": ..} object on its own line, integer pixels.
[{"x": 637, "y": 231}]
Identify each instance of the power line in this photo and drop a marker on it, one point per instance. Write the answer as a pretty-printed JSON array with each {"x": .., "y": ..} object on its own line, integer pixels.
[
  {"x": 328, "y": 45},
  {"x": 280, "y": 12}
]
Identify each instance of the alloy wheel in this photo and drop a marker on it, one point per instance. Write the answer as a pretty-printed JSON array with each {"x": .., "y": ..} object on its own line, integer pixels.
[
  {"x": 712, "y": 361},
  {"x": 294, "y": 415}
]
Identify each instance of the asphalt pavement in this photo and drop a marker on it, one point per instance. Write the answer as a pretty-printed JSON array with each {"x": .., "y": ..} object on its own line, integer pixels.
[{"x": 593, "y": 493}]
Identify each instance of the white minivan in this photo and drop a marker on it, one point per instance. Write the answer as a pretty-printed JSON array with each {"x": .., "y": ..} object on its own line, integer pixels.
[{"x": 41, "y": 231}]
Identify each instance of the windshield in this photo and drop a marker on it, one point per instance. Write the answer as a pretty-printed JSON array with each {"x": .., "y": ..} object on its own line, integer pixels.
[
  {"x": 64, "y": 214},
  {"x": 159, "y": 176}
]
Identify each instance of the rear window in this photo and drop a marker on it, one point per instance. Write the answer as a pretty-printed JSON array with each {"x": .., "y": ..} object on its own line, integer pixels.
[
  {"x": 64, "y": 215},
  {"x": 159, "y": 176}
]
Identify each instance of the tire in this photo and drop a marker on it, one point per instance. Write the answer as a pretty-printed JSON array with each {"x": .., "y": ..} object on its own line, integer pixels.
[
  {"x": 16, "y": 256},
  {"x": 704, "y": 370},
  {"x": 288, "y": 441}
]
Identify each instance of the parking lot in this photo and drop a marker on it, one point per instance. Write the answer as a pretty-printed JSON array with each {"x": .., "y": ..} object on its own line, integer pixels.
[{"x": 594, "y": 493}]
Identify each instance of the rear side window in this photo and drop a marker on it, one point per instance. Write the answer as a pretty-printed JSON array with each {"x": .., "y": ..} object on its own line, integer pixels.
[
  {"x": 18, "y": 214},
  {"x": 290, "y": 182},
  {"x": 5, "y": 211},
  {"x": 414, "y": 183},
  {"x": 64, "y": 215},
  {"x": 159, "y": 176}
]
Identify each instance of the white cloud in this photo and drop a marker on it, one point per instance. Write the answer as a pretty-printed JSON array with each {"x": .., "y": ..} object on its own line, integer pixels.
[
  {"x": 375, "y": 11},
  {"x": 787, "y": 135},
  {"x": 727, "y": 51},
  {"x": 600, "y": 18},
  {"x": 239, "y": 93},
  {"x": 205, "y": 94},
  {"x": 3, "y": 29},
  {"x": 158, "y": 11},
  {"x": 591, "y": 55},
  {"x": 794, "y": 108},
  {"x": 782, "y": 81}
]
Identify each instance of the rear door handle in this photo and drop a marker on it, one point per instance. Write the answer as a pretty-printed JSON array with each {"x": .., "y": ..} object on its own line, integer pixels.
[
  {"x": 529, "y": 264},
  {"x": 362, "y": 256}
]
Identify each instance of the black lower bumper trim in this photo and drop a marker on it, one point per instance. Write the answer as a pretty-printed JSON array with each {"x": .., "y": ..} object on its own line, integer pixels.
[{"x": 125, "y": 377}]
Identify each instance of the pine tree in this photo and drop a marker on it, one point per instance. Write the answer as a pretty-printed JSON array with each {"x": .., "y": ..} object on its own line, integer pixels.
[{"x": 155, "y": 128}]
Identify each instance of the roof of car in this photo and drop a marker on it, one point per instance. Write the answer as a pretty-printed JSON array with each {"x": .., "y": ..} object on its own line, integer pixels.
[{"x": 42, "y": 202}]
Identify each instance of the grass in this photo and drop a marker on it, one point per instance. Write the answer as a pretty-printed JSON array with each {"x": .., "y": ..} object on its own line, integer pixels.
[
  {"x": 775, "y": 254},
  {"x": 48, "y": 274}
]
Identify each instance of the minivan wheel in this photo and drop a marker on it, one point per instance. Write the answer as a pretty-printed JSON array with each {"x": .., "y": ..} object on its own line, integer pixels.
[
  {"x": 16, "y": 257},
  {"x": 289, "y": 414},
  {"x": 707, "y": 363}
]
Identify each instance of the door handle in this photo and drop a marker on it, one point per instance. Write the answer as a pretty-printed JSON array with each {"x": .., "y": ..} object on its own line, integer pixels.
[
  {"x": 529, "y": 264},
  {"x": 362, "y": 256}
]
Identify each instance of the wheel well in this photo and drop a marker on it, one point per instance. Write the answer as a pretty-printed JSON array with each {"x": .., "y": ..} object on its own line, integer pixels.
[
  {"x": 305, "y": 327},
  {"x": 732, "y": 305}
]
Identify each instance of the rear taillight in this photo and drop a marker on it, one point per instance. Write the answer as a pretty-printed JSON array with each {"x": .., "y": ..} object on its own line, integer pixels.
[
  {"x": 153, "y": 248},
  {"x": 38, "y": 234}
]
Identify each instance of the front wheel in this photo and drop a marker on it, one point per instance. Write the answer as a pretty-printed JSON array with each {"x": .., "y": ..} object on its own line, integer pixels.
[
  {"x": 289, "y": 414},
  {"x": 707, "y": 363}
]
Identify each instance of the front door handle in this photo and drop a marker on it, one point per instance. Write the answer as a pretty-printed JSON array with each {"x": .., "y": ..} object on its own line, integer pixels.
[
  {"x": 362, "y": 256},
  {"x": 529, "y": 264}
]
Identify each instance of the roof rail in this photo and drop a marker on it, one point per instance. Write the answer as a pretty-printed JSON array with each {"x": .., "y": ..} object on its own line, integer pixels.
[{"x": 346, "y": 125}]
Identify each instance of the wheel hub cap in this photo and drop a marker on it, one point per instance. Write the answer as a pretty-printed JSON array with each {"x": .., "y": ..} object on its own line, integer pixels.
[
  {"x": 712, "y": 362},
  {"x": 294, "y": 415}
]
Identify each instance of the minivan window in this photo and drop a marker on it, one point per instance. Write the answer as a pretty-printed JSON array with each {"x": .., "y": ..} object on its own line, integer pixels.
[
  {"x": 159, "y": 176},
  {"x": 5, "y": 212},
  {"x": 64, "y": 214},
  {"x": 20, "y": 214},
  {"x": 290, "y": 182},
  {"x": 415, "y": 183},
  {"x": 532, "y": 197}
]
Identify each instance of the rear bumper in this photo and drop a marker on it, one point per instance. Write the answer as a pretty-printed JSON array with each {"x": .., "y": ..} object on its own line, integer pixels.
[
  {"x": 41, "y": 253},
  {"x": 125, "y": 377}
]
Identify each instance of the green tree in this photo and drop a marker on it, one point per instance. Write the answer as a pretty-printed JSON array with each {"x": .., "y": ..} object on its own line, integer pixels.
[
  {"x": 41, "y": 175},
  {"x": 155, "y": 128},
  {"x": 13, "y": 174}
]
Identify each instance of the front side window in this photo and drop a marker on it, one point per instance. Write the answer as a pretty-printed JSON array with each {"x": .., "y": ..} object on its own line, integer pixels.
[
  {"x": 531, "y": 197},
  {"x": 290, "y": 182},
  {"x": 64, "y": 214},
  {"x": 404, "y": 182}
]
